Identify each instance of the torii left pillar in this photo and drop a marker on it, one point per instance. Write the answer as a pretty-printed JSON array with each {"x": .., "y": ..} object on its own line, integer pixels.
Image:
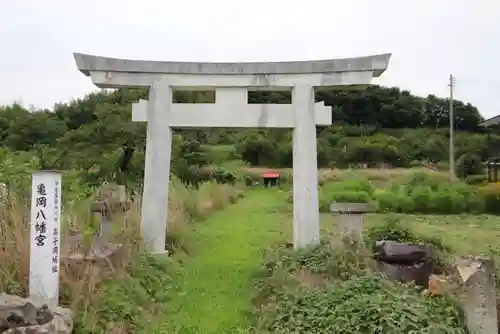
[{"x": 154, "y": 211}]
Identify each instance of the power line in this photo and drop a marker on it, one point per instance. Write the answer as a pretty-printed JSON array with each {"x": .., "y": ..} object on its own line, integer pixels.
[{"x": 452, "y": 128}]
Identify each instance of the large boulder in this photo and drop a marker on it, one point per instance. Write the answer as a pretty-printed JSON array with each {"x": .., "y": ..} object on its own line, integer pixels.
[{"x": 25, "y": 316}]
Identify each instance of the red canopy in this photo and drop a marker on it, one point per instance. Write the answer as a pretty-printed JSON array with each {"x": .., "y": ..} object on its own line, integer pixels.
[{"x": 271, "y": 175}]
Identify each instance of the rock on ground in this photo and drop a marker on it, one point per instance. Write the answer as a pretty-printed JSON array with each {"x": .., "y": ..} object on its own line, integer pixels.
[{"x": 25, "y": 316}]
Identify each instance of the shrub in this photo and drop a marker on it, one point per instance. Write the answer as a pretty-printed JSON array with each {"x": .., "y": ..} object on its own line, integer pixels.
[
  {"x": 392, "y": 228},
  {"x": 350, "y": 197},
  {"x": 104, "y": 304},
  {"x": 367, "y": 304},
  {"x": 432, "y": 180},
  {"x": 428, "y": 194},
  {"x": 476, "y": 179},
  {"x": 468, "y": 164},
  {"x": 360, "y": 184},
  {"x": 328, "y": 289},
  {"x": 351, "y": 190},
  {"x": 395, "y": 199},
  {"x": 490, "y": 196},
  {"x": 222, "y": 175}
]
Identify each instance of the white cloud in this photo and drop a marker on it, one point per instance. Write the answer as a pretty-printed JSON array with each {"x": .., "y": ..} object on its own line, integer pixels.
[{"x": 428, "y": 39}]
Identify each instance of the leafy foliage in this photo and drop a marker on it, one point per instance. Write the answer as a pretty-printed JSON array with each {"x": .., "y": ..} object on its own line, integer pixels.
[
  {"x": 393, "y": 228},
  {"x": 363, "y": 305},
  {"x": 424, "y": 193},
  {"x": 375, "y": 126},
  {"x": 469, "y": 164},
  {"x": 490, "y": 194},
  {"x": 330, "y": 289},
  {"x": 147, "y": 286}
]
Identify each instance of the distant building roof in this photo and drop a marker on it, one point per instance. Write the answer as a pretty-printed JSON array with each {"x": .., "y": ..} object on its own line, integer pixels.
[{"x": 491, "y": 121}]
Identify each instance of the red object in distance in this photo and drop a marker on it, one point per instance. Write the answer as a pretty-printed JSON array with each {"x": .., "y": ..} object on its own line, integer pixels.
[{"x": 271, "y": 175}]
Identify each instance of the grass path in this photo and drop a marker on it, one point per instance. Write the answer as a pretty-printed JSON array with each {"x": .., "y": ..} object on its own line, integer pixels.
[{"x": 212, "y": 291}]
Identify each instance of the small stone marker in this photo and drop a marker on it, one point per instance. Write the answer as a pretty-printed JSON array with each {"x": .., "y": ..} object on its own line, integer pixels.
[
  {"x": 112, "y": 199},
  {"x": 477, "y": 276},
  {"x": 45, "y": 237},
  {"x": 351, "y": 219}
]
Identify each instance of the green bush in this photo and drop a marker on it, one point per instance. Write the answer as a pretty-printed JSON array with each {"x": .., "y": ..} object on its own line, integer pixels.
[
  {"x": 367, "y": 304},
  {"x": 360, "y": 184},
  {"x": 429, "y": 194},
  {"x": 354, "y": 190},
  {"x": 432, "y": 180},
  {"x": 148, "y": 284},
  {"x": 396, "y": 230},
  {"x": 476, "y": 179},
  {"x": 395, "y": 199},
  {"x": 490, "y": 196},
  {"x": 346, "y": 295},
  {"x": 346, "y": 196},
  {"x": 392, "y": 228},
  {"x": 350, "y": 197},
  {"x": 221, "y": 175},
  {"x": 468, "y": 164}
]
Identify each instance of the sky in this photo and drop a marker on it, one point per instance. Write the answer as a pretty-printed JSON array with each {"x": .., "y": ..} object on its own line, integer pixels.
[{"x": 428, "y": 39}]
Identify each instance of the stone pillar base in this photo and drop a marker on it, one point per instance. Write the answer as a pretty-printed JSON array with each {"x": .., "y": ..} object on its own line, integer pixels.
[
  {"x": 478, "y": 293},
  {"x": 100, "y": 255}
]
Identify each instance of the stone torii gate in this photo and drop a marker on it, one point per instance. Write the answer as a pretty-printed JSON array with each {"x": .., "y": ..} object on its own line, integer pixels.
[{"x": 231, "y": 82}]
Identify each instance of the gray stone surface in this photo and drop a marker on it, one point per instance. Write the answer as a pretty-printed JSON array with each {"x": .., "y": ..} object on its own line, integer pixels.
[
  {"x": 27, "y": 316},
  {"x": 349, "y": 208},
  {"x": 350, "y": 224},
  {"x": 479, "y": 302},
  {"x": 99, "y": 249},
  {"x": 305, "y": 169},
  {"x": 154, "y": 211},
  {"x": 87, "y": 63},
  {"x": 219, "y": 114},
  {"x": 112, "y": 73},
  {"x": 110, "y": 202}
]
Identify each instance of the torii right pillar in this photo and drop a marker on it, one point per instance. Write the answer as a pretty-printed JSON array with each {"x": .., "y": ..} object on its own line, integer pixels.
[{"x": 305, "y": 169}]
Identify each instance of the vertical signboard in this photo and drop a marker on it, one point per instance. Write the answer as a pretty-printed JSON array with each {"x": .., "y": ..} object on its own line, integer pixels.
[{"x": 45, "y": 235}]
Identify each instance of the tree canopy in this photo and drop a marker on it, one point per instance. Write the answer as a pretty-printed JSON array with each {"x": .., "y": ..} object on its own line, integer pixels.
[{"x": 375, "y": 125}]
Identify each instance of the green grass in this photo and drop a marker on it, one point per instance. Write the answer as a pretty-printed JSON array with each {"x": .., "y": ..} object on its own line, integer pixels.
[
  {"x": 212, "y": 291},
  {"x": 465, "y": 234}
]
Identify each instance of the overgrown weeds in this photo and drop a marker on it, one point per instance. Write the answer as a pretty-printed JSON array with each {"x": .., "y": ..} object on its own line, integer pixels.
[
  {"x": 335, "y": 288},
  {"x": 421, "y": 192},
  {"x": 125, "y": 295}
]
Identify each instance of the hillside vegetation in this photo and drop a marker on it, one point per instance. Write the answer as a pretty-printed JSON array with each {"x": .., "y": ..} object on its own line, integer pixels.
[
  {"x": 208, "y": 284},
  {"x": 378, "y": 125}
]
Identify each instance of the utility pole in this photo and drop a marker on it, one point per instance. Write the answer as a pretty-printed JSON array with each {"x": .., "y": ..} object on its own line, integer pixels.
[{"x": 452, "y": 129}]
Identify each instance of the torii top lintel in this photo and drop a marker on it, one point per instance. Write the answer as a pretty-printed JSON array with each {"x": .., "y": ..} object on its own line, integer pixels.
[{"x": 111, "y": 72}]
